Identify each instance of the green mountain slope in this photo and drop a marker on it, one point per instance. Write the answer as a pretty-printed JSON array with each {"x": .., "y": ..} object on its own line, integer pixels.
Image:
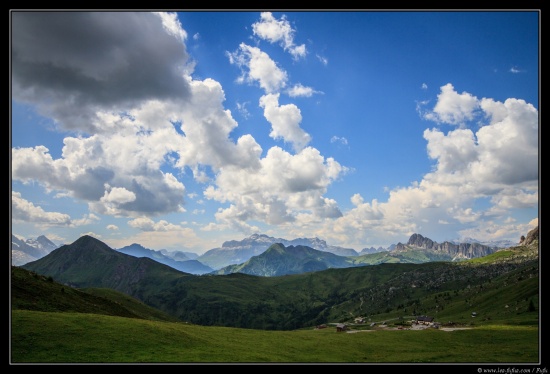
[
  {"x": 408, "y": 256},
  {"x": 31, "y": 291},
  {"x": 88, "y": 262}
]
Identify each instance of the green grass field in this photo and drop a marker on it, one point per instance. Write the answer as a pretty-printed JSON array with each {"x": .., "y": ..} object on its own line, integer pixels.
[{"x": 52, "y": 337}]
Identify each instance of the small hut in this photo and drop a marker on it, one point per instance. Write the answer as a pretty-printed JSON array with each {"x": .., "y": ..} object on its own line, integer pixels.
[{"x": 341, "y": 327}]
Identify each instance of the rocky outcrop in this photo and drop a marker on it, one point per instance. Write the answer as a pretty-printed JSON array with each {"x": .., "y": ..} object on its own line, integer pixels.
[
  {"x": 456, "y": 251},
  {"x": 531, "y": 237}
]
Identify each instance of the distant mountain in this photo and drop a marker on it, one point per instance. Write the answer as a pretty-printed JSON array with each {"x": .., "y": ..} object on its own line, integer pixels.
[
  {"x": 23, "y": 251},
  {"x": 491, "y": 243},
  {"x": 233, "y": 255},
  {"x": 406, "y": 256},
  {"x": 238, "y": 251},
  {"x": 454, "y": 252},
  {"x": 179, "y": 255},
  {"x": 321, "y": 245},
  {"x": 420, "y": 249},
  {"x": 366, "y": 251},
  {"x": 187, "y": 266},
  {"x": 279, "y": 260}
]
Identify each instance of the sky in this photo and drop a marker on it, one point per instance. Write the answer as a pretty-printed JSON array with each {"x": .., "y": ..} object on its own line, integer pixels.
[{"x": 181, "y": 130}]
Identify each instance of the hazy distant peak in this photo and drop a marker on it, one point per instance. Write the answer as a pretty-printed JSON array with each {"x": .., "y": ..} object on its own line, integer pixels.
[
  {"x": 259, "y": 236},
  {"x": 136, "y": 245}
]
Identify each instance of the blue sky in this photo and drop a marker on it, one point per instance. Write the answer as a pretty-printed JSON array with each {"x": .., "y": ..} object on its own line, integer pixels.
[{"x": 181, "y": 130}]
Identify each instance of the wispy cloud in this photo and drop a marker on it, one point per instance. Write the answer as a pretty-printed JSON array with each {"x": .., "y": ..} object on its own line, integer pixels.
[
  {"x": 323, "y": 60},
  {"x": 300, "y": 90},
  {"x": 243, "y": 111},
  {"x": 340, "y": 140}
]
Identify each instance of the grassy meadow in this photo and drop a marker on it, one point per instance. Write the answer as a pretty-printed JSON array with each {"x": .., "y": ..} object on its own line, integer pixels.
[{"x": 52, "y": 337}]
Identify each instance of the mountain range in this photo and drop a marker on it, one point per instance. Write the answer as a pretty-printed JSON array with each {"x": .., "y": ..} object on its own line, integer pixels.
[
  {"x": 234, "y": 255},
  {"x": 184, "y": 264},
  {"x": 239, "y": 251},
  {"x": 302, "y": 299},
  {"x": 23, "y": 251},
  {"x": 504, "y": 243},
  {"x": 279, "y": 259},
  {"x": 366, "y": 251}
]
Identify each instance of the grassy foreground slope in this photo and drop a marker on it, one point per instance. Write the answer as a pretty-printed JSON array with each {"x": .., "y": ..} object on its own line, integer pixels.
[
  {"x": 49, "y": 337},
  {"x": 31, "y": 291},
  {"x": 51, "y": 323}
]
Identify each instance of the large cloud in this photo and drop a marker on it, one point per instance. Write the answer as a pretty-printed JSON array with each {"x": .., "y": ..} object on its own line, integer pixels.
[
  {"x": 119, "y": 169},
  {"x": 74, "y": 64},
  {"x": 207, "y": 127},
  {"x": 283, "y": 187},
  {"x": 23, "y": 210},
  {"x": 113, "y": 179},
  {"x": 502, "y": 153}
]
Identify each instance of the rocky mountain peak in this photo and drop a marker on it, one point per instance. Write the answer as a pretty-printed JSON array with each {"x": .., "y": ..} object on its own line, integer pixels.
[
  {"x": 417, "y": 240},
  {"x": 532, "y": 235}
]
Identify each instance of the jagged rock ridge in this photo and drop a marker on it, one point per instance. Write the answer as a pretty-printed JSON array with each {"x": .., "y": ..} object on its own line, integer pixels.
[{"x": 456, "y": 251}]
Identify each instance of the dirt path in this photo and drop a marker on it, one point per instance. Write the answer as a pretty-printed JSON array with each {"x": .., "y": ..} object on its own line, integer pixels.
[
  {"x": 412, "y": 328},
  {"x": 455, "y": 328}
]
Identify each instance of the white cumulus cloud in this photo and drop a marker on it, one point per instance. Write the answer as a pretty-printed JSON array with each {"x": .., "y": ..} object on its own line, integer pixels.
[{"x": 278, "y": 31}]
